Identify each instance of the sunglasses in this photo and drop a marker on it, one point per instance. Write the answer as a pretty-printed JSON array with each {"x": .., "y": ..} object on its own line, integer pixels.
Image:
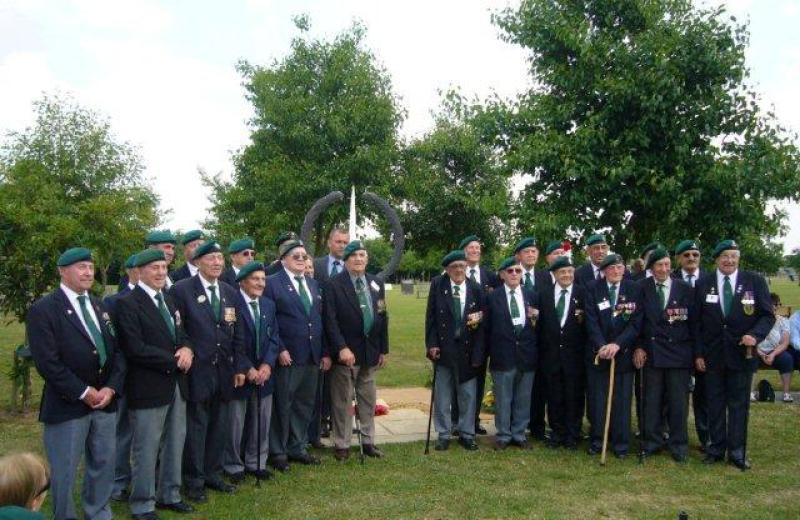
[
  {"x": 691, "y": 255},
  {"x": 248, "y": 253},
  {"x": 299, "y": 256},
  {"x": 514, "y": 270}
]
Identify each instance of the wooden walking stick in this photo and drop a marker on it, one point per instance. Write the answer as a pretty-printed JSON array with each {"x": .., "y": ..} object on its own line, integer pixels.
[
  {"x": 430, "y": 411},
  {"x": 358, "y": 420},
  {"x": 609, "y": 402}
]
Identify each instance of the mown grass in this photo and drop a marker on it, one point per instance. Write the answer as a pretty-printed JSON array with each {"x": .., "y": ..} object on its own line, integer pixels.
[{"x": 512, "y": 484}]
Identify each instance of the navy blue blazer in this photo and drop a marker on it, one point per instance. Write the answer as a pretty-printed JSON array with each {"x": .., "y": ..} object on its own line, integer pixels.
[
  {"x": 603, "y": 327},
  {"x": 460, "y": 348},
  {"x": 180, "y": 273},
  {"x": 584, "y": 275},
  {"x": 668, "y": 334},
  {"x": 67, "y": 359},
  {"x": 562, "y": 348},
  {"x": 269, "y": 340},
  {"x": 489, "y": 279},
  {"x": 301, "y": 334},
  {"x": 507, "y": 349},
  {"x": 217, "y": 342},
  {"x": 344, "y": 322},
  {"x": 717, "y": 337},
  {"x": 229, "y": 277},
  {"x": 677, "y": 273},
  {"x": 110, "y": 301}
]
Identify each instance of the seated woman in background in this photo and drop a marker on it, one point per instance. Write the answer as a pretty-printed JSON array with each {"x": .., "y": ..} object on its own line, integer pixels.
[
  {"x": 24, "y": 481},
  {"x": 773, "y": 353}
]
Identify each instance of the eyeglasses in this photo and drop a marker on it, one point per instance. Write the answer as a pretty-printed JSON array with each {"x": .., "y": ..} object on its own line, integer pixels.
[
  {"x": 299, "y": 257},
  {"x": 514, "y": 270},
  {"x": 248, "y": 253},
  {"x": 691, "y": 254}
]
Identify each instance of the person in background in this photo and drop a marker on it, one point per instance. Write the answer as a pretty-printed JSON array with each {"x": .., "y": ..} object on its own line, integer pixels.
[
  {"x": 24, "y": 482},
  {"x": 774, "y": 351}
]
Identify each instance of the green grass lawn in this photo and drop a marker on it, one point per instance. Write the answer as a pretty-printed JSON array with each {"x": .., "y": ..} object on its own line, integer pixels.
[{"x": 456, "y": 484}]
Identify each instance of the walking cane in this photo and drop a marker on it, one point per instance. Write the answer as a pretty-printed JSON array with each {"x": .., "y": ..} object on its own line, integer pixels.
[
  {"x": 642, "y": 411},
  {"x": 355, "y": 413},
  {"x": 258, "y": 436},
  {"x": 609, "y": 402},
  {"x": 746, "y": 421},
  {"x": 430, "y": 410}
]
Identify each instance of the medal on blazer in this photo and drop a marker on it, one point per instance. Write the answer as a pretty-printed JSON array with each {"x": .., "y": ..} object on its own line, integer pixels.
[
  {"x": 109, "y": 324},
  {"x": 229, "y": 315},
  {"x": 578, "y": 312},
  {"x": 177, "y": 318},
  {"x": 676, "y": 314},
  {"x": 474, "y": 319},
  {"x": 201, "y": 298},
  {"x": 533, "y": 314},
  {"x": 748, "y": 303},
  {"x": 381, "y": 304}
]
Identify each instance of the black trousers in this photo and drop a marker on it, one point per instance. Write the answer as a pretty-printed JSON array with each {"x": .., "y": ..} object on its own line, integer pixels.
[
  {"x": 538, "y": 407},
  {"x": 728, "y": 398},
  {"x": 207, "y": 430},
  {"x": 670, "y": 386},
  {"x": 565, "y": 398},
  {"x": 620, "y": 428},
  {"x": 700, "y": 408},
  {"x": 322, "y": 408}
]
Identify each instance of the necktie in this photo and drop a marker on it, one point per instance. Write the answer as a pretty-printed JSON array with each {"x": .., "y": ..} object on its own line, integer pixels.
[
  {"x": 363, "y": 302},
  {"x": 304, "y": 299},
  {"x": 214, "y": 301},
  {"x": 597, "y": 274},
  {"x": 528, "y": 281},
  {"x": 335, "y": 268},
  {"x": 94, "y": 332},
  {"x": 561, "y": 305},
  {"x": 727, "y": 296},
  {"x": 612, "y": 296},
  {"x": 256, "y": 324},
  {"x": 514, "y": 311},
  {"x": 690, "y": 279},
  {"x": 662, "y": 297},
  {"x": 162, "y": 309},
  {"x": 457, "y": 305},
  {"x": 472, "y": 275}
]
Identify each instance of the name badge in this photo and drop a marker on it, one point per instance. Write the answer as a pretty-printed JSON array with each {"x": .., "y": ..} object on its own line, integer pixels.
[
  {"x": 712, "y": 298},
  {"x": 375, "y": 286},
  {"x": 603, "y": 305},
  {"x": 518, "y": 321}
]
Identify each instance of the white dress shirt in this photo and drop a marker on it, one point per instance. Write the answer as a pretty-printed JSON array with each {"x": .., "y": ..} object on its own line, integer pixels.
[
  {"x": 294, "y": 282},
  {"x": 557, "y": 294},
  {"x": 477, "y": 269},
  {"x": 462, "y": 293},
  {"x": 685, "y": 276},
  {"x": 520, "y": 303},
  {"x": 667, "y": 287},
  {"x": 721, "y": 282},
  {"x": 72, "y": 296}
]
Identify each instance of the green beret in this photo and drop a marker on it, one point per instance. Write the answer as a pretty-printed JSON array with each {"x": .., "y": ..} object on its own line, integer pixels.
[
  {"x": 237, "y": 246},
  {"x": 130, "y": 263},
  {"x": 649, "y": 247},
  {"x": 284, "y": 236},
  {"x": 465, "y": 242},
  {"x": 248, "y": 269},
  {"x": 508, "y": 262},
  {"x": 686, "y": 245},
  {"x": 610, "y": 260},
  {"x": 724, "y": 246},
  {"x": 525, "y": 242},
  {"x": 288, "y": 245},
  {"x": 658, "y": 253},
  {"x": 453, "y": 256},
  {"x": 74, "y": 255},
  {"x": 191, "y": 236},
  {"x": 209, "y": 246},
  {"x": 552, "y": 246},
  {"x": 352, "y": 247},
  {"x": 596, "y": 239},
  {"x": 160, "y": 237},
  {"x": 149, "y": 256},
  {"x": 561, "y": 261}
]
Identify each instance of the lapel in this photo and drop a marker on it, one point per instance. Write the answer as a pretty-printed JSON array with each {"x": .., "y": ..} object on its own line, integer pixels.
[
  {"x": 247, "y": 312},
  {"x": 288, "y": 286},
  {"x": 742, "y": 284},
  {"x": 447, "y": 295},
  {"x": 506, "y": 310},
  {"x": 72, "y": 317},
  {"x": 199, "y": 291},
  {"x": 149, "y": 308},
  {"x": 350, "y": 293},
  {"x": 569, "y": 305},
  {"x": 102, "y": 322}
]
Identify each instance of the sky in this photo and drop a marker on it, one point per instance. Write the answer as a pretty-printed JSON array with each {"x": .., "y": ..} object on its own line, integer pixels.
[{"x": 164, "y": 72}]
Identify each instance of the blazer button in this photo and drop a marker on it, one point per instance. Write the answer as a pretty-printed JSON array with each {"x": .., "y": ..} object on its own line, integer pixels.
[
  {"x": 218, "y": 344},
  {"x": 100, "y": 371},
  {"x": 94, "y": 352}
]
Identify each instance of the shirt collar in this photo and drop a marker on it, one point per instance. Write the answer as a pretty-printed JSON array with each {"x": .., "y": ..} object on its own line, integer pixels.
[
  {"x": 192, "y": 268},
  {"x": 667, "y": 283},
  {"x": 247, "y": 298},
  {"x": 72, "y": 295},
  {"x": 685, "y": 273},
  {"x": 517, "y": 289},
  {"x": 290, "y": 274},
  {"x": 206, "y": 283},
  {"x": 149, "y": 290},
  {"x": 732, "y": 276},
  {"x": 559, "y": 289},
  {"x": 462, "y": 287}
]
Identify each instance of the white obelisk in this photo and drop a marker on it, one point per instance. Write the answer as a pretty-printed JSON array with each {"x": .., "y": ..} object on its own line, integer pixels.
[{"x": 352, "y": 226}]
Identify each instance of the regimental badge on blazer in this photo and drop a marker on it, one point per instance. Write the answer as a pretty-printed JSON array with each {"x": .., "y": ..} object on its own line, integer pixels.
[
  {"x": 381, "y": 304},
  {"x": 177, "y": 318},
  {"x": 474, "y": 318},
  {"x": 676, "y": 314},
  {"x": 229, "y": 315},
  {"x": 579, "y": 314},
  {"x": 109, "y": 325},
  {"x": 533, "y": 314},
  {"x": 201, "y": 299},
  {"x": 748, "y": 303}
]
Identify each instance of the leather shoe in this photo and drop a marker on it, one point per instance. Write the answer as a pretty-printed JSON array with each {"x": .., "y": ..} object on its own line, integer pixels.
[
  {"x": 500, "y": 445},
  {"x": 594, "y": 450},
  {"x": 316, "y": 443},
  {"x": 442, "y": 445},
  {"x": 280, "y": 464},
  {"x": 680, "y": 458},
  {"x": 341, "y": 454},
  {"x": 236, "y": 478},
  {"x": 220, "y": 486},
  {"x": 480, "y": 430},
  {"x": 195, "y": 494},
  {"x": 150, "y": 515},
  {"x": 260, "y": 474},
  {"x": 370, "y": 450},
  {"x": 742, "y": 464},
  {"x": 178, "y": 507},
  {"x": 523, "y": 445},
  {"x": 468, "y": 444},
  {"x": 305, "y": 459},
  {"x": 711, "y": 459}
]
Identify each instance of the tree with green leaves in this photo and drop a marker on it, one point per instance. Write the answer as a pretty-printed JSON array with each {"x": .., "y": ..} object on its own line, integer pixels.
[
  {"x": 641, "y": 124},
  {"x": 65, "y": 182},
  {"x": 325, "y": 119}
]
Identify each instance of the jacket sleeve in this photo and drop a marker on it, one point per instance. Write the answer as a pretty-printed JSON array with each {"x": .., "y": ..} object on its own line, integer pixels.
[
  {"x": 766, "y": 315},
  {"x": 594, "y": 329},
  {"x": 431, "y": 337},
  {"x": 333, "y": 332},
  {"x": 630, "y": 334},
  {"x": 270, "y": 356},
  {"x": 134, "y": 345}
]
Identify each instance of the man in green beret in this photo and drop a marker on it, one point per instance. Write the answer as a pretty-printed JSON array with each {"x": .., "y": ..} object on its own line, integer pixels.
[
  {"x": 190, "y": 240},
  {"x": 666, "y": 355},
  {"x": 644, "y": 257},
  {"x": 158, "y": 239},
  {"x": 242, "y": 252},
  {"x": 74, "y": 348},
  {"x": 597, "y": 250},
  {"x": 736, "y": 314},
  {"x": 152, "y": 336},
  {"x": 553, "y": 251},
  {"x": 454, "y": 335},
  {"x": 357, "y": 331},
  {"x": 276, "y": 266}
]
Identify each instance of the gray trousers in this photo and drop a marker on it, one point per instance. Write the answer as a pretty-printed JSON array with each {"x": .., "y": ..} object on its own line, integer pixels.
[
  {"x": 122, "y": 472},
  {"x": 292, "y": 409},
  {"x": 158, "y": 435},
  {"x": 342, "y": 398},
  {"x": 91, "y": 437},
  {"x": 512, "y": 403},
  {"x": 443, "y": 403},
  {"x": 245, "y": 412}
]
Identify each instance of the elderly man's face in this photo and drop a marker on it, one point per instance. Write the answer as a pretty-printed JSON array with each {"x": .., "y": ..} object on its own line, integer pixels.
[
  {"x": 168, "y": 248},
  {"x": 295, "y": 260},
  {"x": 661, "y": 269},
  {"x": 473, "y": 252},
  {"x": 614, "y": 273},
  {"x": 457, "y": 271},
  {"x": 211, "y": 265},
  {"x": 154, "y": 274},
  {"x": 512, "y": 275},
  {"x": 253, "y": 286},
  {"x": 356, "y": 263},
  {"x": 597, "y": 252},
  {"x": 79, "y": 276},
  {"x": 242, "y": 258},
  {"x": 565, "y": 276},
  {"x": 528, "y": 257},
  {"x": 689, "y": 260},
  {"x": 728, "y": 261}
]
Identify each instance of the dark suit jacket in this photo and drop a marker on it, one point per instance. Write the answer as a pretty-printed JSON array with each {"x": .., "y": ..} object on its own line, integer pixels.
[
  {"x": 229, "y": 277},
  {"x": 180, "y": 273},
  {"x": 110, "y": 301},
  {"x": 677, "y": 273},
  {"x": 717, "y": 337},
  {"x": 269, "y": 339},
  {"x": 562, "y": 347},
  {"x": 489, "y": 279},
  {"x": 67, "y": 359},
  {"x": 541, "y": 279},
  {"x": 584, "y": 275},
  {"x": 301, "y": 334},
  {"x": 217, "y": 342},
  {"x": 466, "y": 352},
  {"x": 603, "y": 328},
  {"x": 668, "y": 334},
  {"x": 150, "y": 350},
  {"x": 321, "y": 270},
  {"x": 274, "y": 268},
  {"x": 344, "y": 323},
  {"x": 506, "y": 349}
]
